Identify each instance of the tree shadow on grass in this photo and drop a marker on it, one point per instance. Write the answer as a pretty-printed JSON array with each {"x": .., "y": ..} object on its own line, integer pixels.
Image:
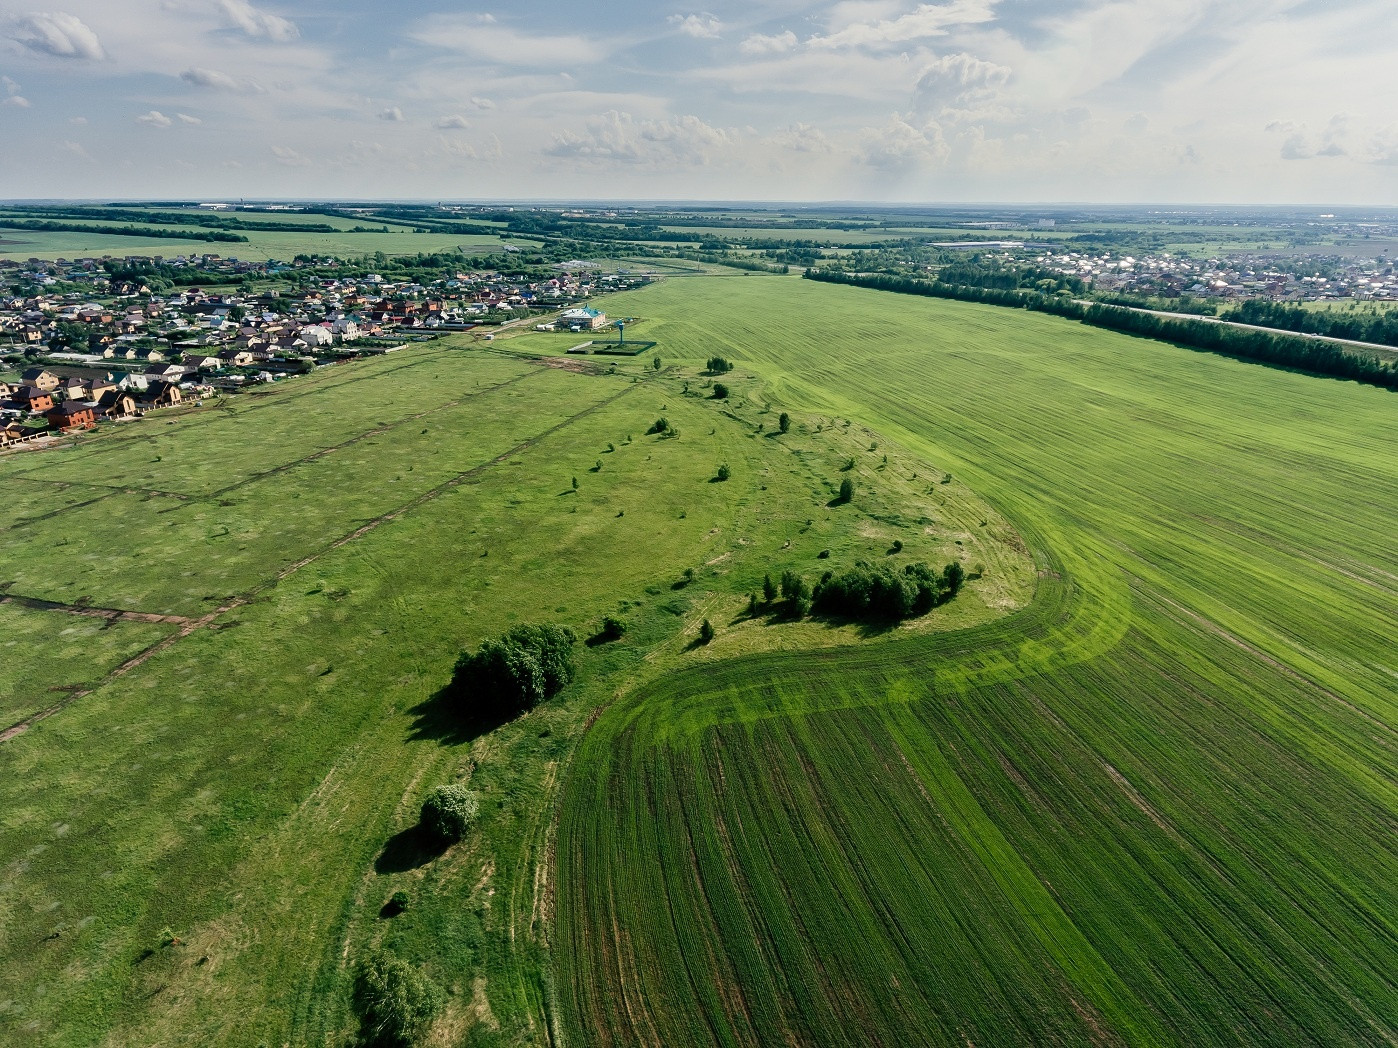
[
  {"x": 448, "y": 717},
  {"x": 408, "y": 850}
]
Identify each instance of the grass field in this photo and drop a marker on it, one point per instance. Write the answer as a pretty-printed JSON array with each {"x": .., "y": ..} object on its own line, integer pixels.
[
  {"x": 28, "y": 243},
  {"x": 1153, "y": 804},
  {"x": 1154, "y": 808},
  {"x": 322, "y": 551}
]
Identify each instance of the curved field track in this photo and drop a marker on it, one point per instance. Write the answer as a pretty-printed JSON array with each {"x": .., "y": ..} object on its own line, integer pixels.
[{"x": 1157, "y": 807}]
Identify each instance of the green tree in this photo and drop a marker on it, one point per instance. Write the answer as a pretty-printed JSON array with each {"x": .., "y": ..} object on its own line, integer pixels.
[
  {"x": 396, "y": 1003},
  {"x": 516, "y": 672},
  {"x": 846, "y": 490},
  {"x": 706, "y": 632},
  {"x": 784, "y": 422},
  {"x": 769, "y": 589},
  {"x": 448, "y": 812},
  {"x": 723, "y": 472},
  {"x": 720, "y": 391}
]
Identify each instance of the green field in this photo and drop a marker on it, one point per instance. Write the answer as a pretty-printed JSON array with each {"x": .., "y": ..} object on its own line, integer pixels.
[
  {"x": 1156, "y": 807},
  {"x": 324, "y": 548},
  {"x": 1134, "y": 785},
  {"x": 27, "y": 243}
]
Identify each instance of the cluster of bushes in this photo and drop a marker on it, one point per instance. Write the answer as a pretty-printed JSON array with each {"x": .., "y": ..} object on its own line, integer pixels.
[
  {"x": 865, "y": 591},
  {"x": 719, "y": 365},
  {"x": 1285, "y": 350},
  {"x": 517, "y": 671},
  {"x": 869, "y": 592}
]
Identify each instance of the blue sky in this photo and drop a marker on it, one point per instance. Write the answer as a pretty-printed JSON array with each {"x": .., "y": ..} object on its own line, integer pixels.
[{"x": 1247, "y": 101}]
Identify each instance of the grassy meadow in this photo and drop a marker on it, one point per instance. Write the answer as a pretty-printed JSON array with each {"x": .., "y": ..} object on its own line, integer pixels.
[
  {"x": 262, "y": 244},
  {"x": 1155, "y": 807},
  {"x": 198, "y": 848}
]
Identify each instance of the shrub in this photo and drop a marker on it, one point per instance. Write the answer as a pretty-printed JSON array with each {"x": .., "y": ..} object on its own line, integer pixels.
[
  {"x": 784, "y": 422},
  {"x": 846, "y": 490},
  {"x": 518, "y": 671},
  {"x": 793, "y": 586},
  {"x": 660, "y": 425},
  {"x": 752, "y": 604},
  {"x": 719, "y": 366},
  {"x": 769, "y": 589},
  {"x": 706, "y": 632},
  {"x": 720, "y": 391},
  {"x": 655, "y": 364},
  {"x": 723, "y": 472},
  {"x": 448, "y": 812},
  {"x": 897, "y": 545},
  {"x": 881, "y": 593},
  {"x": 396, "y": 1003},
  {"x": 612, "y": 628}
]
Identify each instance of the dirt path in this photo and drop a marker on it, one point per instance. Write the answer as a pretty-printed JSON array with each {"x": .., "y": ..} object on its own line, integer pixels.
[
  {"x": 188, "y": 626},
  {"x": 114, "y": 614}
]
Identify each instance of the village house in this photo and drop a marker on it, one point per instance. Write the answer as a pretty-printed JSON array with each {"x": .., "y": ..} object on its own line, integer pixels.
[
  {"x": 70, "y": 415},
  {"x": 32, "y": 398},
  {"x": 116, "y": 403},
  {"x": 12, "y": 432},
  {"x": 582, "y": 319},
  {"x": 40, "y": 378},
  {"x": 161, "y": 395}
]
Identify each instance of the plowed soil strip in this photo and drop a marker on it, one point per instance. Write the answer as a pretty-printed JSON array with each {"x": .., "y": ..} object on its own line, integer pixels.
[{"x": 188, "y": 626}]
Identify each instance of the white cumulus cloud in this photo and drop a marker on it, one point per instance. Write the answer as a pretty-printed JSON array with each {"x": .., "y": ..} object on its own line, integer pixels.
[
  {"x": 155, "y": 118},
  {"x": 927, "y": 20},
  {"x": 621, "y": 138},
  {"x": 288, "y": 156},
  {"x": 455, "y": 122},
  {"x": 392, "y": 114},
  {"x": 215, "y": 80},
  {"x": 256, "y": 23},
  {"x": 56, "y": 33},
  {"x": 776, "y": 44},
  {"x": 703, "y": 26}
]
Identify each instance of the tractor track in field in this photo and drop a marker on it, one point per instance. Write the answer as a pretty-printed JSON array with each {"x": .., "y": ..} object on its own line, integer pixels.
[
  {"x": 112, "y": 614},
  {"x": 376, "y": 431},
  {"x": 224, "y": 409},
  {"x": 189, "y": 625},
  {"x": 117, "y": 489},
  {"x": 124, "y": 489}
]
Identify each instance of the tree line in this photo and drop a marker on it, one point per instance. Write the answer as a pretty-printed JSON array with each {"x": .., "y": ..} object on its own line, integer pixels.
[
  {"x": 1277, "y": 349},
  {"x": 1381, "y": 327},
  {"x": 49, "y": 226}
]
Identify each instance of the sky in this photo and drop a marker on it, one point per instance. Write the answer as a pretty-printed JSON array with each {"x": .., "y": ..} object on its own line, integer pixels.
[{"x": 1111, "y": 101}]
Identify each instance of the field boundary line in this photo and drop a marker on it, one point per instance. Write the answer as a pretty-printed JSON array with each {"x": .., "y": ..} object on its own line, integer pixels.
[
  {"x": 55, "y": 512},
  {"x": 191, "y": 625},
  {"x": 223, "y": 407},
  {"x": 376, "y": 431}
]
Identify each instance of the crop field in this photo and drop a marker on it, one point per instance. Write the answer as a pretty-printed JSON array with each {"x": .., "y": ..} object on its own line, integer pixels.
[
  {"x": 225, "y": 629},
  {"x": 1154, "y": 807}
]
